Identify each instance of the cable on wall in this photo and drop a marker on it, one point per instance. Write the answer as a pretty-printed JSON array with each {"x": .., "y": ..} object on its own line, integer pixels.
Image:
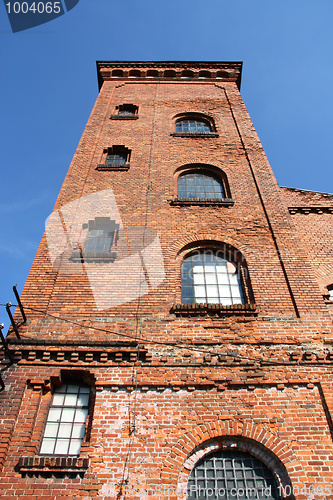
[
  {"x": 144, "y": 340},
  {"x": 263, "y": 206}
]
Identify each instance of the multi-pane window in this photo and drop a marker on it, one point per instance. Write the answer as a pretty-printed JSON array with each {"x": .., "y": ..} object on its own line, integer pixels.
[
  {"x": 116, "y": 159},
  {"x": 208, "y": 278},
  {"x": 99, "y": 240},
  {"x": 199, "y": 185},
  {"x": 65, "y": 426},
  {"x": 193, "y": 125},
  {"x": 231, "y": 475}
]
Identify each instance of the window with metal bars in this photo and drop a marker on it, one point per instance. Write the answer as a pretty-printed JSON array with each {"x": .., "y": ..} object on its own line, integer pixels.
[
  {"x": 330, "y": 292},
  {"x": 207, "y": 277},
  {"x": 66, "y": 421},
  {"x": 201, "y": 186},
  {"x": 193, "y": 126},
  {"x": 231, "y": 475}
]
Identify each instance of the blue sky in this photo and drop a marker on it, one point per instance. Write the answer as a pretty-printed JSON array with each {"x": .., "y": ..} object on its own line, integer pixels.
[{"x": 49, "y": 85}]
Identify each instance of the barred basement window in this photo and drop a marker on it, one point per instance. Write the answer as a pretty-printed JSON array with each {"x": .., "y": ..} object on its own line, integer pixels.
[
  {"x": 231, "y": 475},
  {"x": 207, "y": 277},
  {"x": 201, "y": 186},
  {"x": 66, "y": 421}
]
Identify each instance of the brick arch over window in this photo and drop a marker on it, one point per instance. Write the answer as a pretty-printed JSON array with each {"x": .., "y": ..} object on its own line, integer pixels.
[
  {"x": 330, "y": 292},
  {"x": 195, "y": 240},
  {"x": 326, "y": 282},
  {"x": 243, "y": 436},
  {"x": 177, "y": 251},
  {"x": 232, "y": 258},
  {"x": 200, "y": 172}
]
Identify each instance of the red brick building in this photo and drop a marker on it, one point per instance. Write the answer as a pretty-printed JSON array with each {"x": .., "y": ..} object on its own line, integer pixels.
[{"x": 178, "y": 341}]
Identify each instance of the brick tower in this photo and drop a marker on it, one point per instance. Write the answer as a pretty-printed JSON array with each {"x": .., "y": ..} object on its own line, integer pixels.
[{"x": 178, "y": 339}]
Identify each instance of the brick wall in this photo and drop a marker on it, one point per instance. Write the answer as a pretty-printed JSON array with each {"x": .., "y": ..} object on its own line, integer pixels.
[{"x": 170, "y": 382}]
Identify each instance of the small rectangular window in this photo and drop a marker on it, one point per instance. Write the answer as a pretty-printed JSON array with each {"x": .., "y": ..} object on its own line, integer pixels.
[
  {"x": 115, "y": 158},
  {"x": 127, "y": 110}
]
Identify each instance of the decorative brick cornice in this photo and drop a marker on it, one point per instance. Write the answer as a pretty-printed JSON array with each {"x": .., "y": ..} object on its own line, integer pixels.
[
  {"x": 218, "y": 385},
  {"x": 79, "y": 356},
  {"x": 228, "y": 202},
  {"x": 169, "y": 70},
  {"x": 212, "y": 309},
  {"x": 310, "y": 210},
  {"x": 53, "y": 465},
  {"x": 62, "y": 356}
]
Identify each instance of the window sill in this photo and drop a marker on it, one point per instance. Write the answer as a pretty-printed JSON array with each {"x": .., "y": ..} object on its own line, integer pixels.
[
  {"x": 78, "y": 256},
  {"x": 213, "y": 309},
  {"x": 228, "y": 202},
  {"x": 104, "y": 167},
  {"x": 52, "y": 465},
  {"x": 194, "y": 134},
  {"x": 124, "y": 117}
]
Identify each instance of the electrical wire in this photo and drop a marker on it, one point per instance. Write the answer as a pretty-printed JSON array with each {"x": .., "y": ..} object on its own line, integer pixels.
[{"x": 175, "y": 345}]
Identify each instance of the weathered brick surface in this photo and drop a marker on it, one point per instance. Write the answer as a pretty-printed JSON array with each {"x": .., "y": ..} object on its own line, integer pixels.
[
  {"x": 312, "y": 218},
  {"x": 170, "y": 385}
]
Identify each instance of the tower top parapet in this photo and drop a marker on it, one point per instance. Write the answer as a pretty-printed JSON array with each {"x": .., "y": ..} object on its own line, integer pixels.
[{"x": 169, "y": 70}]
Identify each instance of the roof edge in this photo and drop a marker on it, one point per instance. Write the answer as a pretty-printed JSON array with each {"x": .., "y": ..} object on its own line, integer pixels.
[
  {"x": 230, "y": 71},
  {"x": 306, "y": 190}
]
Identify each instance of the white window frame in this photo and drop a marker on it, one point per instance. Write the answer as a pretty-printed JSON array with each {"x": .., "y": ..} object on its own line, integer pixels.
[{"x": 66, "y": 421}]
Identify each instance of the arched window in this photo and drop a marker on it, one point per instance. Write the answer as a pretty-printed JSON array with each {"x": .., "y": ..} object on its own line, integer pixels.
[
  {"x": 330, "y": 292},
  {"x": 193, "y": 125},
  {"x": 207, "y": 277},
  {"x": 200, "y": 185},
  {"x": 231, "y": 475}
]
